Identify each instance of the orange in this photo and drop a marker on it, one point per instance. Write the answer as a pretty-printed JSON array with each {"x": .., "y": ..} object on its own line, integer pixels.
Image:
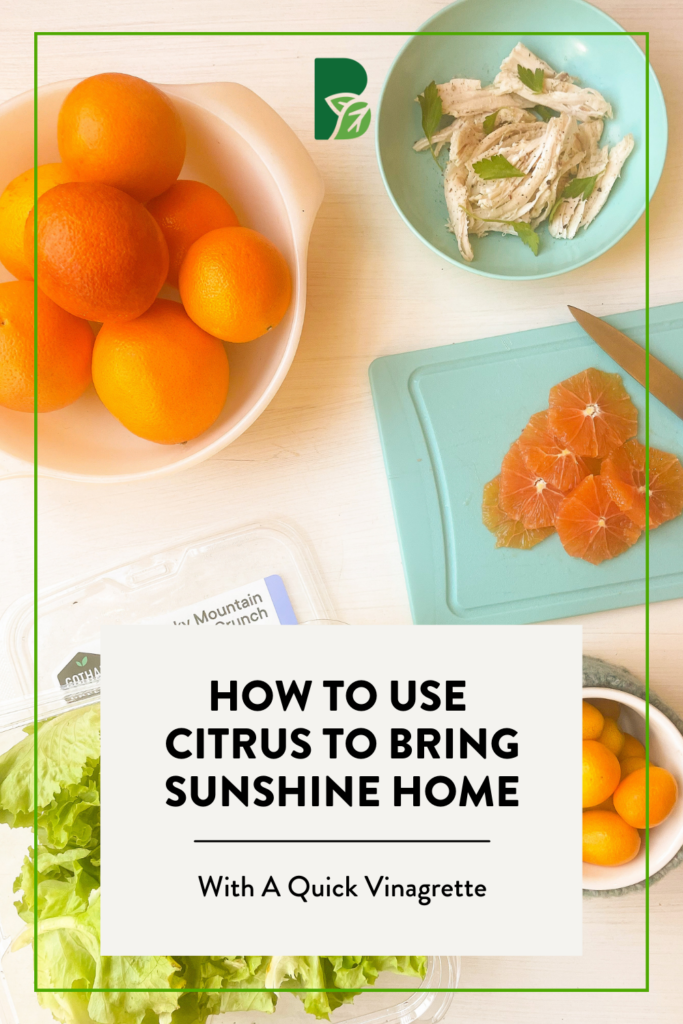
[
  {"x": 592, "y": 465},
  {"x": 510, "y": 533},
  {"x": 607, "y": 840},
  {"x": 629, "y": 798},
  {"x": 162, "y": 376},
  {"x": 609, "y": 708},
  {"x": 631, "y": 748},
  {"x": 591, "y": 526},
  {"x": 235, "y": 284},
  {"x": 525, "y": 495},
  {"x": 16, "y": 202},
  {"x": 121, "y": 131},
  {"x": 631, "y": 764},
  {"x": 549, "y": 457},
  {"x": 185, "y": 212},
  {"x": 592, "y": 412},
  {"x": 101, "y": 255},
  {"x": 593, "y": 722},
  {"x": 612, "y": 736},
  {"x": 624, "y": 475},
  {"x": 65, "y": 346},
  {"x": 601, "y": 773}
]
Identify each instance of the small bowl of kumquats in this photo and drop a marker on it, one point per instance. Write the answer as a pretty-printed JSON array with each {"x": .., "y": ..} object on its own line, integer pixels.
[{"x": 614, "y": 789}]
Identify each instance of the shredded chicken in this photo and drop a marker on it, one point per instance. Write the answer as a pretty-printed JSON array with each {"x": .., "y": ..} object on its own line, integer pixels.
[{"x": 549, "y": 154}]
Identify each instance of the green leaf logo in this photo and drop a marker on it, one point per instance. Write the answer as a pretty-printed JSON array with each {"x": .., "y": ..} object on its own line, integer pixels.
[
  {"x": 84, "y": 662},
  {"x": 353, "y": 115},
  {"x": 339, "y": 100}
]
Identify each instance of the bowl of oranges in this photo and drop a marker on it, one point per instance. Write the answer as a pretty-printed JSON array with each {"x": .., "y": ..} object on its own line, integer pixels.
[
  {"x": 169, "y": 242},
  {"x": 614, "y": 786}
]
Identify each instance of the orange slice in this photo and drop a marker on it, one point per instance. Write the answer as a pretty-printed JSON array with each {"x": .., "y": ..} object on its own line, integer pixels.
[
  {"x": 624, "y": 476},
  {"x": 592, "y": 465},
  {"x": 525, "y": 495},
  {"x": 510, "y": 533},
  {"x": 592, "y": 412},
  {"x": 550, "y": 457},
  {"x": 591, "y": 526}
]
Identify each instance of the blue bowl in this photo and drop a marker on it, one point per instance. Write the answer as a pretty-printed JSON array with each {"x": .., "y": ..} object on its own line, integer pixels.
[{"x": 613, "y": 64}]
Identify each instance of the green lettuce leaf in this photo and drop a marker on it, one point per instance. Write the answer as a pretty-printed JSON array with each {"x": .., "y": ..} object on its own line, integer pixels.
[
  {"x": 65, "y": 875},
  {"x": 68, "y": 746}
]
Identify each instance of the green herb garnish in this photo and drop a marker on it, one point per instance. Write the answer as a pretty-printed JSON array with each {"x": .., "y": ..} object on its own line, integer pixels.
[
  {"x": 497, "y": 167},
  {"x": 432, "y": 111},
  {"x": 545, "y": 112},
  {"x": 577, "y": 188},
  {"x": 490, "y": 122},
  {"x": 532, "y": 79},
  {"x": 527, "y": 234},
  {"x": 522, "y": 230}
]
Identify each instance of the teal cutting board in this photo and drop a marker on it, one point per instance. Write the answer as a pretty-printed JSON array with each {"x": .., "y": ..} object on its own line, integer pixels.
[{"x": 446, "y": 418}]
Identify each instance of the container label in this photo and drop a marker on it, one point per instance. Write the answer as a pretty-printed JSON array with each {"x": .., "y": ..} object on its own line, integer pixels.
[
  {"x": 262, "y": 603},
  {"x": 82, "y": 669}
]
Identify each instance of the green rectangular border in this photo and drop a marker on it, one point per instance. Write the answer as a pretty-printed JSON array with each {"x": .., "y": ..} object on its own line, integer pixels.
[{"x": 406, "y": 990}]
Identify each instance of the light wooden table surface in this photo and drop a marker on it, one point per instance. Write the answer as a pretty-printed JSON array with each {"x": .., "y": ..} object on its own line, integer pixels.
[{"x": 313, "y": 458}]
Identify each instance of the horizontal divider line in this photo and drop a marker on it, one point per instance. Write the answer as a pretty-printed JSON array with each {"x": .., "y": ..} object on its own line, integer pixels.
[{"x": 342, "y": 840}]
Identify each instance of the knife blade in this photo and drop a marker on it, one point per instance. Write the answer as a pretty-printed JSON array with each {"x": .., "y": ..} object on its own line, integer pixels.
[{"x": 664, "y": 384}]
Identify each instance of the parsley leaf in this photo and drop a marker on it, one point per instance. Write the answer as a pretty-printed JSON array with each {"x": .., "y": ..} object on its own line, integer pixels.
[
  {"x": 432, "y": 110},
  {"x": 527, "y": 234},
  {"x": 497, "y": 166},
  {"x": 545, "y": 112},
  {"x": 532, "y": 79},
  {"x": 490, "y": 122},
  {"x": 577, "y": 188},
  {"x": 522, "y": 230}
]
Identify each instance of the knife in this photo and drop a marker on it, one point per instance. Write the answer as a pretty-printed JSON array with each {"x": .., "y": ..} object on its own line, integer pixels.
[{"x": 665, "y": 385}]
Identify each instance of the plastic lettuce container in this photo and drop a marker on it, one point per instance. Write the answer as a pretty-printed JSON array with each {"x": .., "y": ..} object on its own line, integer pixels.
[{"x": 188, "y": 575}]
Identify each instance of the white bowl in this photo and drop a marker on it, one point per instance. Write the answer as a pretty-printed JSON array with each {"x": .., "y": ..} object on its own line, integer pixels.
[
  {"x": 666, "y": 751},
  {"x": 240, "y": 146}
]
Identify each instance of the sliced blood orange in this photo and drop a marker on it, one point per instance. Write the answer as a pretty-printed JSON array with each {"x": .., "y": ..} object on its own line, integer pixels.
[
  {"x": 592, "y": 465},
  {"x": 510, "y": 533},
  {"x": 592, "y": 412},
  {"x": 548, "y": 456},
  {"x": 525, "y": 495},
  {"x": 624, "y": 475},
  {"x": 592, "y": 526}
]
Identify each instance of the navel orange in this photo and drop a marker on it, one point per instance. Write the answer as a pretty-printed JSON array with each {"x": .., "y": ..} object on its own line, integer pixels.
[
  {"x": 16, "y": 202},
  {"x": 525, "y": 495},
  {"x": 601, "y": 773},
  {"x": 612, "y": 736},
  {"x": 591, "y": 526},
  {"x": 235, "y": 284},
  {"x": 593, "y": 721},
  {"x": 101, "y": 255},
  {"x": 121, "y": 131},
  {"x": 548, "y": 456},
  {"x": 509, "y": 532},
  {"x": 592, "y": 412},
  {"x": 162, "y": 376},
  {"x": 607, "y": 839},
  {"x": 630, "y": 764},
  {"x": 629, "y": 797},
  {"x": 632, "y": 747},
  {"x": 185, "y": 212},
  {"x": 65, "y": 346},
  {"x": 624, "y": 475}
]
